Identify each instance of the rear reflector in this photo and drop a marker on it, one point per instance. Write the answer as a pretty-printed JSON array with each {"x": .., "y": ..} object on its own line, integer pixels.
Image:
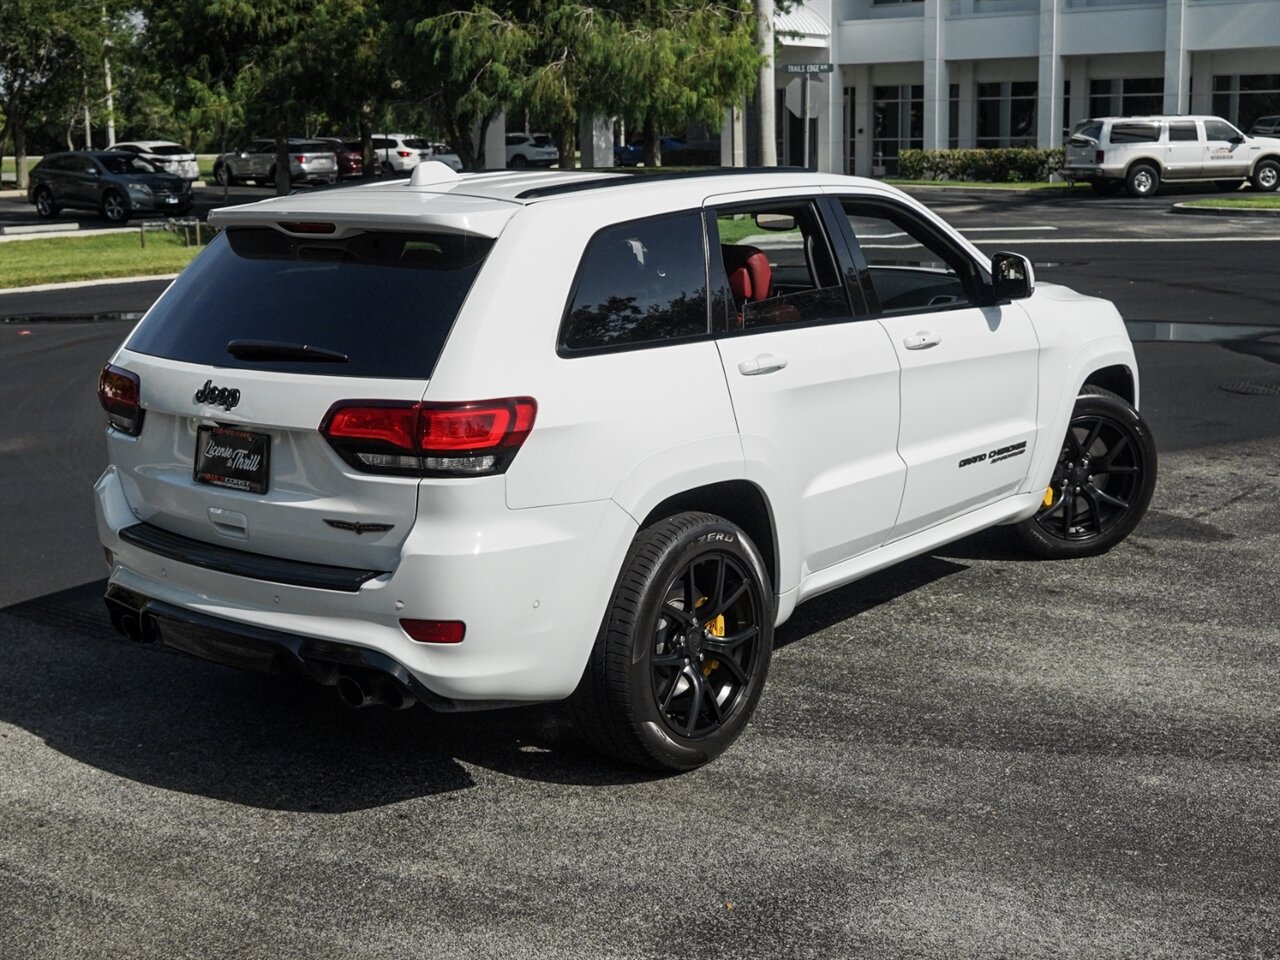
[
  {"x": 120, "y": 393},
  {"x": 430, "y": 439},
  {"x": 434, "y": 631}
]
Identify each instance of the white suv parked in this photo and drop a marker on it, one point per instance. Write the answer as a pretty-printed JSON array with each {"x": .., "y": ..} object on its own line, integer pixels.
[
  {"x": 631, "y": 424},
  {"x": 1137, "y": 153}
]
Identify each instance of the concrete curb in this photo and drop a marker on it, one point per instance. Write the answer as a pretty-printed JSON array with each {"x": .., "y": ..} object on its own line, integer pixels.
[
  {"x": 73, "y": 284},
  {"x": 68, "y": 231},
  {"x": 1225, "y": 211}
]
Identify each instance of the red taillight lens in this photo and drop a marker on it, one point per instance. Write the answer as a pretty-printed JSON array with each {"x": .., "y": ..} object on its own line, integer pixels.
[
  {"x": 434, "y": 631},
  {"x": 404, "y": 153},
  {"x": 430, "y": 439},
  {"x": 120, "y": 393},
  {"x": 309, "y": 226},
  {"x": 300, "y": 158}
]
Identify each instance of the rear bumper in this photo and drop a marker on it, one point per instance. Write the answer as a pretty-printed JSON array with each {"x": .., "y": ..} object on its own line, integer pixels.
[{"x": 531, "y": 586}]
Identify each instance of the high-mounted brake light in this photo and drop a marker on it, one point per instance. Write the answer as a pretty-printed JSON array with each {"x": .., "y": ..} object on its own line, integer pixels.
[
  {"x": 120, "y": 393},
  {"x": 430, "y": 439},
  {"x": 308, "y": 226}
]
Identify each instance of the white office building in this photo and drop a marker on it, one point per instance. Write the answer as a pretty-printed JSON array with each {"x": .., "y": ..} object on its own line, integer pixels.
[{"x": 987, "y": 73}]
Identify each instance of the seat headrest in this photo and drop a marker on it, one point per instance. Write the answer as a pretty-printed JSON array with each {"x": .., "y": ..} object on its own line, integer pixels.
[{"x": 750, "y": 276}]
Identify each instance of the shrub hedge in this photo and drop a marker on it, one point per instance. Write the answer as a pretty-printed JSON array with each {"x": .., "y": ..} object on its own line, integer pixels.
[{"x": 1004, "y": 165}]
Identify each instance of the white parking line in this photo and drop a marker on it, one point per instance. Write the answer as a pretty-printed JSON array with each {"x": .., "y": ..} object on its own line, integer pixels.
[{"x": 1004, "y": 229}]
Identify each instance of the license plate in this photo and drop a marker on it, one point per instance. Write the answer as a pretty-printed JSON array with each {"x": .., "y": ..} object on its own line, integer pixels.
[{"x": 232, "y": 458}]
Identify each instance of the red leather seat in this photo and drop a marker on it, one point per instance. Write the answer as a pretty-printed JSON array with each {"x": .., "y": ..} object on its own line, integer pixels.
[{"x": 750, "y": 276}]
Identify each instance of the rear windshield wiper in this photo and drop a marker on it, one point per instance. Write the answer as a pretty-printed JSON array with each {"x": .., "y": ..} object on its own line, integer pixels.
[{"x": 279, "y": 350}]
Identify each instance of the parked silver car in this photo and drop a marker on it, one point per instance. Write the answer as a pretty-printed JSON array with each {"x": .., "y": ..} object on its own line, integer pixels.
[
  {"x": 310, "y": 161},
  {"x": 1137, "y": 153}
]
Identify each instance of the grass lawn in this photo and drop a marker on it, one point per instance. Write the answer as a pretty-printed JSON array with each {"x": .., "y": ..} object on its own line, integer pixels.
[
  {"x": 978, "y": 185},
  {"x": 58, "y": 259},
  {"x": 1257, "y": 201}
]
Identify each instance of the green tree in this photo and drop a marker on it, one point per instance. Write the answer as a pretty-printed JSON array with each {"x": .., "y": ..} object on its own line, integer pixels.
[{"x": 46, "y": 48}]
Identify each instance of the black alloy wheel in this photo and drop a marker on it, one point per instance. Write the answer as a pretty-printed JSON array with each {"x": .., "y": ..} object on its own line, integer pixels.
[
  {"x": 1101, "y": 485},
  {"x": 683, "y": 652},
  {"x": 706, "y": 645}
]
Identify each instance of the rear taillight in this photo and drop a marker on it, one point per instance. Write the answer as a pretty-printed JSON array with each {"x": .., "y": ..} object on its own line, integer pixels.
[
  {"x": 404, "y": 153},
  {"x": 430, "y": 439},
  {"x": 300, "y": 158},
  {"x": 1098, "y": 155},
  {"x": 120, "y": 393}
]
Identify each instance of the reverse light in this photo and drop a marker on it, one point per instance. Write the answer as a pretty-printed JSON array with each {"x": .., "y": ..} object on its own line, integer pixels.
[
  {"x": 434, "y": 631},
  {"x": 430, "y": 439},
  {"x": 120, "y": 393}
]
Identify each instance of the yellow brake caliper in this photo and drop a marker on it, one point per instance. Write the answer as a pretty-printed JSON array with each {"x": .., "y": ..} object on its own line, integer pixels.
[
  {"x": 716, "y": 629},
  {"x": 1048, "y": 497}
]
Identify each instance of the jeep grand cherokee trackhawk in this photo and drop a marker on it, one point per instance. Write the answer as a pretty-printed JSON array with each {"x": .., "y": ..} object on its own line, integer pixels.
[{"x": 475, "y": 440}]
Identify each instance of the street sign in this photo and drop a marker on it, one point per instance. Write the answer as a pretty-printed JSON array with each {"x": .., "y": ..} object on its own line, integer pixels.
[{"x": 805, "y": 69}]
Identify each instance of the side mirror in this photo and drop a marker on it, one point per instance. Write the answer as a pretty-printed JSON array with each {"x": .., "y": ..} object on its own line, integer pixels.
[
  {"x": 1236, "y": 139},
  {"x": 1011, "y": 277}
]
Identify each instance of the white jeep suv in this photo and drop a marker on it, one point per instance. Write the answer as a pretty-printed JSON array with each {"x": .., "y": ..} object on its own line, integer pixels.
[{"x": 629, "y": 425}]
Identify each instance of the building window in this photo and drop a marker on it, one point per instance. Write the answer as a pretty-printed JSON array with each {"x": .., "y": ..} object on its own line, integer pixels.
[
  {"x": 1130, "y": 97},
  {"x": 1244, "y": 99},
  {"x": 850, "y": 128},
  {"x": 898, "y": 124},
  {"x": 1007, "y": 114},
  {"x": 953, "y": 117}
]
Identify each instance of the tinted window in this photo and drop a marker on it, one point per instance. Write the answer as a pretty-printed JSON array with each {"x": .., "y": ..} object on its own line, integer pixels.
[
  {"x": 640, "y": 282},
  {"x": 122, "y": 163},
  {"x": 313, "y": 146},
  {"x": 779, "y": 266},
  {"x": 381, "y": 143},
  {"x": 416, "y": 144},
  {"x": 386, "y": 300},
  {"x": 911, "y": 269},
  {"x": 1183, "y": 130},
  {"x": 1219, "y": 130},
  {"x": 1134, "y": 133},
  {"x": 514, "y": 140},
  {"x": 168, "y": 150}
]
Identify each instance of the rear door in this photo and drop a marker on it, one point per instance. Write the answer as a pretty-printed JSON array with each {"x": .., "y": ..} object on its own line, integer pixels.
[
  {"x": 814, "y": 381},
  {"x": 969, "y": 370},
  {"x": 231, "y": 450},
  {"x": 1185, "y": 152}
]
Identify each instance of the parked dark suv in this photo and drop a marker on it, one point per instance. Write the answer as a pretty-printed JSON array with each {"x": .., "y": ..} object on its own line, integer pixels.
[{"x": 117, "y": 184}]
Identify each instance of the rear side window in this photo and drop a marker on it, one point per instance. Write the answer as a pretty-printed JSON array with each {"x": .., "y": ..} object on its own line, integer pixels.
[
  {"x": 385, "y": 300},
  {"x": 1182, "y": 130},
  {"x": 1134, "y": 133},
  {"x": 643, "y": 282}
]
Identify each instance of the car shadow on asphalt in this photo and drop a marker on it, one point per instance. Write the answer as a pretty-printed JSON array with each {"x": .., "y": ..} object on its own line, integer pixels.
[{"x": 271, "y": 742}]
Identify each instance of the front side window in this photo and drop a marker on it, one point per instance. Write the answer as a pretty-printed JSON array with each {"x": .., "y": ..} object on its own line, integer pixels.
[
  {"x": 643, "y": 282},
  {"x": 779, "y": 266},
  {"x": 1219, "y": 130},
  {"x": 911, "y": 268},
  {"x": 124, "y": 163}
]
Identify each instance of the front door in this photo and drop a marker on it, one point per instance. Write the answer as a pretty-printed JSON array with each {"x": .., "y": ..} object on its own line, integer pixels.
[
  {"x": 1225, "y": 153},
  {"x": 969, "y": 368}
]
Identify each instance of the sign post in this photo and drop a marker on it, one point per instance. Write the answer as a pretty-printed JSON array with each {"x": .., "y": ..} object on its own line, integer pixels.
[{"x": 806, "y": 70}]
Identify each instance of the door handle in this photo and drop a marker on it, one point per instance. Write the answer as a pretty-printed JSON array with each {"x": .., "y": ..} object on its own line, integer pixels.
[
  {"x": 764, "y": 363},
  {"x": 921, "y": 341}
]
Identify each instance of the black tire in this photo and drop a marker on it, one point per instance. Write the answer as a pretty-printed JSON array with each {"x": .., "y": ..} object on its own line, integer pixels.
[
  {"x": 519, "y": 161},
  {"x": 1092, "y": 510},
  {"x": 46, "y": 209},
  {"x": 1142, "y": 180},
  {"x": 1106, "y": 188},
  {"x": 1228, "y": 186},
  {"x": 115, "y": 206},
  {"x": 1266, "y": 176},
  {"x": 222, "y": 176},
  {"x": 387, "y": 169},
  {"x": 643, "y": 697}
]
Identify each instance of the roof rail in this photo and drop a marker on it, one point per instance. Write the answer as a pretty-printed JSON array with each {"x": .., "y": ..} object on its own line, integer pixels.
[{"x": 643, "y": 176}]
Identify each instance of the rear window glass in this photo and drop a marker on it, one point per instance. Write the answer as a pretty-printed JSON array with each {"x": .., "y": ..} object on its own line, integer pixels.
[
  {"x": 1091, "y": 131},
  {"x": 386, "y": 300},
  {"x": 1134, "y": 133},
  {"x": 125, "y": 163},
  {"x": 168, "y": 150},
  {"x": 313, "y": 146},
  {"x": 640, "y": 282},
  {"x": 416, "y": 144}
]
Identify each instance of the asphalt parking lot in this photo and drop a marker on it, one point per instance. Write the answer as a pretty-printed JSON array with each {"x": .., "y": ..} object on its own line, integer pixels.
[{"x": 968, "y": 755}]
